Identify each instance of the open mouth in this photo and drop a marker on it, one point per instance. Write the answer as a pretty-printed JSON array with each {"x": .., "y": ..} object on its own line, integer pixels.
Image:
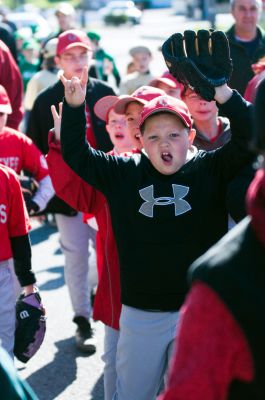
[
  {"x": 119, "y": 136},
  {"x": 166, "y": 157}
]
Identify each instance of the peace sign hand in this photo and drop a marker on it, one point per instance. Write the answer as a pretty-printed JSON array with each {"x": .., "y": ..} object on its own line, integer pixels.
[
  {"x": 57, "y": 118},
  {"x": 75, "y": 88}
]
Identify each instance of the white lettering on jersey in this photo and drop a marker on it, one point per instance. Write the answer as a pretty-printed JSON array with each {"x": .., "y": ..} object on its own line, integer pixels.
[
  {"x": 180, "y": 206},
  {"x": 3, "y": 214},
  {"x": 11, "y": 162}
]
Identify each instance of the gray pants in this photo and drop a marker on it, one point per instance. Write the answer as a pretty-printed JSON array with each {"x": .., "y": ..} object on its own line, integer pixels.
[
  {"x": 78, "y": 246},
  {"x": 144, "y": 348},
  {"x": 109, "y": 357},
  {"x": 7, "y": 307}
]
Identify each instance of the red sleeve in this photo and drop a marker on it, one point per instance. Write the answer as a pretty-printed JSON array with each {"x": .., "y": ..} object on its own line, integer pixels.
[
  {"x": 18, "y": 219},
  {"x": 68, "y": 185},
  {"x": 33, "y": 160},
  {"x": 11, "y": 79},
  {"x": 211, "y": 350}
]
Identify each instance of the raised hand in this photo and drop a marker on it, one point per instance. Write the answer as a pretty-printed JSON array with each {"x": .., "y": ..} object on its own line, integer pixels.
[
  {"x": 57, "y": 119},
  {"x": 201, "y": 61},
  {"x": 75, "y": 88}
]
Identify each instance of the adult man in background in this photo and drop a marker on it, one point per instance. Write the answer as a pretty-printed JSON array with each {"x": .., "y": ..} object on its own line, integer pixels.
[{"x": 246, "y": 40}]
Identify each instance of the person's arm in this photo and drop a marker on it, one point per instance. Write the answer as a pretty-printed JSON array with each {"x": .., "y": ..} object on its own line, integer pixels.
[
  {"x": 101, "y": 171},
  {"x": 210, "y": 350},
  {"x": 21, "y": 250},
  {"x": 18, "y": 227},
  {"x": 235, "y": 154},
  {"x": 68, "y": 185},
  {"x": 35, "y": 163}
]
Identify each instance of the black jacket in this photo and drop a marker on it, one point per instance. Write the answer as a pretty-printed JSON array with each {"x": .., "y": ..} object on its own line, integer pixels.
[
  {"x": 162, "y": 223},
  {"x": 41, "y": 121},
  {"x": 235, "y": 269},
  {"x": 242, "y": 71}
]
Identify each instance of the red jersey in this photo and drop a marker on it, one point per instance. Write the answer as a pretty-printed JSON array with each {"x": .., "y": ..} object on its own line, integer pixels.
[
  {"x": 14, "y": 220},
  {"x": 18, "y": 152},
  {"x": 10, "y": 78},
  {"x": 211, "y": 350}
]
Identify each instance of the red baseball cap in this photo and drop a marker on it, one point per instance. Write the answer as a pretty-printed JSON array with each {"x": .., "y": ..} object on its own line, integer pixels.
[
  {"x": 103, "y": 106},
  {"x": 169, "y": 104},
  {"x": 5, "y": 105},
  {"x": 142, "y": 95},
  {"x": 72, "y": 38}
]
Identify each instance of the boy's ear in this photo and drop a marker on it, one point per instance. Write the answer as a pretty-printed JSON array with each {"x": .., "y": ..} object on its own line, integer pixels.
[
  {"x": 57, "y": 60},
  {"x": 141, "y": 139},
  {"x": 192, "y": 134},
  {"x": 107, "y": 127}
]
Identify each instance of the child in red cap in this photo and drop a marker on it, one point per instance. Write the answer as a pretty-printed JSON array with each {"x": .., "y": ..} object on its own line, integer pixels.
[
  {"x": 132, "y": 105},
  {"x": 167, "y": 207}
]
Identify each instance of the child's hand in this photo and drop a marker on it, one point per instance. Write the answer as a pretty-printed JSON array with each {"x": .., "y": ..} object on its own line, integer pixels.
[
  {"x": 75, "y": 89},
  {"x": 57, "y": 118}
]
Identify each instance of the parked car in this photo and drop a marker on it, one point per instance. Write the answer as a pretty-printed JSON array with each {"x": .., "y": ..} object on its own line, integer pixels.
[
  {"x": 31, "y": 20},
  {"x": 120, "y": 12}
]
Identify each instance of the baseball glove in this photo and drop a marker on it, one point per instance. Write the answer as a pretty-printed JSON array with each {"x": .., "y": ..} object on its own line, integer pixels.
[
  {"x": 200, "y": 61},
  {"x": 30, "y": 326}
]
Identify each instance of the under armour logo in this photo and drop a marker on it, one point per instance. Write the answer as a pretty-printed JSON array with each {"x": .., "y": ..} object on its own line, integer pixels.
[
  {"x": 24, "y": 314},
  {"x": 179, "y": 191}
]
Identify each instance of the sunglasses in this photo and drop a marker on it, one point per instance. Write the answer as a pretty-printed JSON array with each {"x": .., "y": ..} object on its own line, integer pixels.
[{"x": 1, "y": 114}]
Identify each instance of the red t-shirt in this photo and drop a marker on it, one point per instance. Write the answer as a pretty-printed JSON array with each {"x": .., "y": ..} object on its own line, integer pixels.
[
  {"x": 211, "y": 350},
  {"x": 18, "y": 152},
  {"x": 14, "y": 220}
]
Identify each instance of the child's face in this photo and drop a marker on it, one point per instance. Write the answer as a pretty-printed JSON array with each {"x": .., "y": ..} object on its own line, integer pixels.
[
  {"x": 170, "y": 91},
  {"x": 166, "y": 141},
  {"x": 73, "y": 61},
  {"x": 141, "y": 62},
  {"x": 132, "y": 115},
  {"x": 65, "y": 21},
  {"x": 200, "y": 109},
  {"x": 3, "y": 119},
  {"x": 116, "y": 127}
]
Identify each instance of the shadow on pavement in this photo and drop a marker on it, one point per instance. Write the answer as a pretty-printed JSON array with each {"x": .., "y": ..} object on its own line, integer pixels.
[
  {"x": 56, "y": 283},
  {"x": 42, "y": 233},
  {"x": 52, "y": 379},
  {"x": 98, "y": 390}
]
